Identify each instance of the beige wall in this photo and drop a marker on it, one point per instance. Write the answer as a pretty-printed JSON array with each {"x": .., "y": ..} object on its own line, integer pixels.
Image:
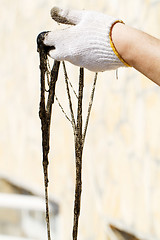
[{"x": 121, "y": 161}]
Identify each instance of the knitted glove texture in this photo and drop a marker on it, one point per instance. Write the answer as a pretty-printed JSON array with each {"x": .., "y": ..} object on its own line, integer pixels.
[{"x": 86, "y": 42}]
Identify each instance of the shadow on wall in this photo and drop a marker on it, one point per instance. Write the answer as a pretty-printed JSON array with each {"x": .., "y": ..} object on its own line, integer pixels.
[
  {"x": 122, "y": 234},
  {"x": 22, "y": 213}
]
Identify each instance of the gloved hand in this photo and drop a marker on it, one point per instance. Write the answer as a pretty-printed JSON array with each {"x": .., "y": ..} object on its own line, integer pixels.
[{"x": 87, "y": 42}]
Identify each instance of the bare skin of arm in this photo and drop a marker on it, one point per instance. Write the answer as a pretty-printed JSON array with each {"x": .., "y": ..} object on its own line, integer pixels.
[{"x": 139, "y": 50}]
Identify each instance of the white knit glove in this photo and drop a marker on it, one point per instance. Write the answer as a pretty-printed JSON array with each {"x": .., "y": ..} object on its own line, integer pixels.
[{"x": 86, "y": 43}]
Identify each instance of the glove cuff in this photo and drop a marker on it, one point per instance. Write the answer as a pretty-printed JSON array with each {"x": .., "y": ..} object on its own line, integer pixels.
[{"x": 113, "y": 46}]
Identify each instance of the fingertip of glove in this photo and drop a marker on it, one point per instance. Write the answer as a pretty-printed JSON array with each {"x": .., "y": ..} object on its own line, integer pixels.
[
  {"x": 55, "y": 12},
  {"x": 60, "y": 16}
]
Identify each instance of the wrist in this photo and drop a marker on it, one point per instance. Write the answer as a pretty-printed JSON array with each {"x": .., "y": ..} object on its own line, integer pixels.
[{"x": 120, "y": 41}]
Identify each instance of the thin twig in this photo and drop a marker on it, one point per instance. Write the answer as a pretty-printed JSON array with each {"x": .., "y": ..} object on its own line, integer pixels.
[
  {"x": 73, "y": 89},
  {"x": 62, "y": 109},
  {"x": 54, "y": 76},
  {"x": 69, "y": 99},
  {"x": 89, "y": 108},
  {"x": 66, "y": 76}
]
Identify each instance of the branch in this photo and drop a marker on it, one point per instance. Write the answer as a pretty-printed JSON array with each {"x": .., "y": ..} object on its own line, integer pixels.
[
  {"x": 69, "y": 99},
  {"x": 78, "y": 153},
  {"x": 45, "y": 116}
]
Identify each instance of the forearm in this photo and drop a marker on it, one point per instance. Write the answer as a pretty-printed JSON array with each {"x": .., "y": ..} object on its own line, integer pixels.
[{"x": 139, "y": 50}]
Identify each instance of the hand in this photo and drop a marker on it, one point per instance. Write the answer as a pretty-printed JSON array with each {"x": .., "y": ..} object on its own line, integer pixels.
[{"x": 87, "y": 42}]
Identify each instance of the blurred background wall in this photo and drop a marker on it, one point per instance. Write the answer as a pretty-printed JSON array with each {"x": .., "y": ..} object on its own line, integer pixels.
[{"x": 121, "y": 160}]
